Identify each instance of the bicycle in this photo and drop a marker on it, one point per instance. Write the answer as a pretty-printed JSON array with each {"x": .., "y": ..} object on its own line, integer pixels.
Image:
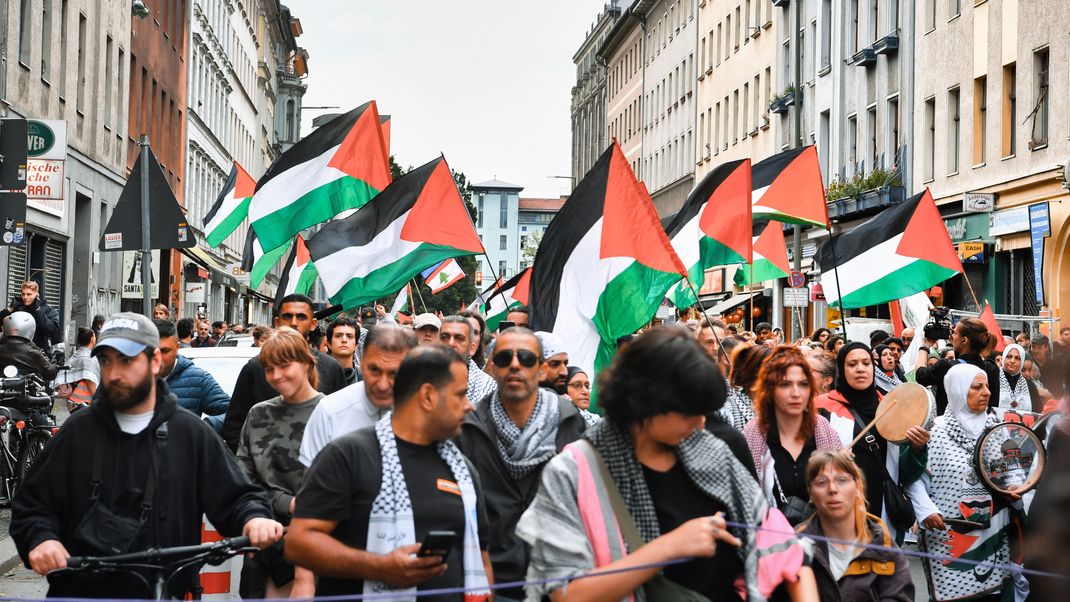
[
  {"x": 160, "y": 564},
  {"x": 26, "y": 425}
]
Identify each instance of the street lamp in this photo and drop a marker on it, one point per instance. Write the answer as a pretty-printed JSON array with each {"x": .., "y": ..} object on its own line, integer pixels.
[{"x": 572, "y": 184}]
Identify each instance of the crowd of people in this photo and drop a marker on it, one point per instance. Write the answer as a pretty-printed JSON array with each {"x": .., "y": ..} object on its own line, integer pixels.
[{"x": 705, "y": 463}]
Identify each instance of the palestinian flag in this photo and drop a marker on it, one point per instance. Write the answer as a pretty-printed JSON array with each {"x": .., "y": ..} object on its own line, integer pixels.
[
  {"x": 713, "y": 227},
  {"x": 500, "y": 299},
  {"x": 300, "y": 273},
  {"x": 231, "y": 206},
  {"x": 400, "y": 301},
  {"x": 989, "y": 318},
  {"x": 442, "y": 276},
  {"x": 256, "y": 262},
  {"x": 788, "y": 188},
  {"x": 418, "y": 221},
  {"x": 770, "y": 255},
  {"x": 604, "y": 264},
  {"x": 903, "y": 250},
  {"x": 340, "y": 166},
  {"x": 384, "y": 124}
]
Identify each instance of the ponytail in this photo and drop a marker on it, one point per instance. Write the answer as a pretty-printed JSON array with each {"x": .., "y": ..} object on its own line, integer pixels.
[{"x": 976, "y": 332}]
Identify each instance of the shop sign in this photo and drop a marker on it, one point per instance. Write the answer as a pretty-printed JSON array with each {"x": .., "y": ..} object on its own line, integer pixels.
[
  {"x": 195, "y": 292},
  {"x": 1039, "y": 228},
  {"x": 968, "y": 227},
  {"x": 132, "y": 275},
  {"x": 978, "y": 202},
  {"x": 1008, "y": 221},
  {"x": 46, "y": 158},
  {"x": 972, "y": 252}
]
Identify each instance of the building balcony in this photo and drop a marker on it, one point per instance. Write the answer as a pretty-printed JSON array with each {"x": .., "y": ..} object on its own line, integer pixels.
[
  {"x": 863, "y": 58},
  {"x": 866, "y": 202},
  {"x": 888, "y": 45}
]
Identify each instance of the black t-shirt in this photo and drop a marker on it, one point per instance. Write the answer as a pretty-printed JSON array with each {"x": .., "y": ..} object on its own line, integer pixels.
[
  {"x": 790, "y": 472},
  {"x": 344, "y": 480},
  {"x": 678, "y": 500}
]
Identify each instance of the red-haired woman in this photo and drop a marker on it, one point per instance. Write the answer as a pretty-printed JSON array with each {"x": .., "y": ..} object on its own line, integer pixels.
[{"x": 786, "y": 429}]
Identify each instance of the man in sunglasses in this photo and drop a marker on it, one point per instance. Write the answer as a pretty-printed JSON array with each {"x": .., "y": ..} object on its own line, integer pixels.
[
  {"x": 509, "y": 437},
  {"x": 554, "y": 363},
  {"x": 252, "y": 386}
]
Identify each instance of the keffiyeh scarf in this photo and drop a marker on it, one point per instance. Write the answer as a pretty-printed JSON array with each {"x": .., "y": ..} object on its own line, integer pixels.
[
  {"x": 525, "y": 449},
  {"x": 1016, "y": 397},
  {"x": 738, "y": 408},
  {"x": 392, "y": 525}
]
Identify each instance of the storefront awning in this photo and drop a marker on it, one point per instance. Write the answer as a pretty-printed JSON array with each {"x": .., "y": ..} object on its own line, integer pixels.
[
  {"x": 731, "y": 302},
  {"x": 218, "y": 271}
]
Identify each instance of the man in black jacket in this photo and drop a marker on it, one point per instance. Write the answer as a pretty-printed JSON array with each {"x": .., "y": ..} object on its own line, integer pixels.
[
  {"x": 252, "y": 386},
  {"x": 135, "y": 459},
  {"x": 17, "y": 348},
  {"x": 509, "y": 438},
  {"x": 47, "y": 318}
]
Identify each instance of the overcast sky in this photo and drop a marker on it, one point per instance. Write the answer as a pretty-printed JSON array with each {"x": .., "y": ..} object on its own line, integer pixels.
[{"x": 486, "y": 82}]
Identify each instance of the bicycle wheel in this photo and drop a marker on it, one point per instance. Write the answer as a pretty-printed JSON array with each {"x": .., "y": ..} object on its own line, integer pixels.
[{"x": 35, "y": 442}]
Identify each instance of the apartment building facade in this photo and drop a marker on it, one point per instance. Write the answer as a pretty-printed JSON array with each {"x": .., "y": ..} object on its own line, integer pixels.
[{"x": 622, "y": 53}]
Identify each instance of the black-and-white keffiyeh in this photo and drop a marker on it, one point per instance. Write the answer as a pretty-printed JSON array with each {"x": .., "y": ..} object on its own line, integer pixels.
[
  {"x": 738, "y": 409},
  {"x": 391, "y": 524},
  {"x": 524, "y": 450},
  {"x": 884, "y": 382},
  {"x": 480, "y": 384}
]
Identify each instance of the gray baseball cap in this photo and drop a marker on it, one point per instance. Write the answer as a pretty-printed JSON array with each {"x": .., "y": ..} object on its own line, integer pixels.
[{"x": 128, "y": 333}]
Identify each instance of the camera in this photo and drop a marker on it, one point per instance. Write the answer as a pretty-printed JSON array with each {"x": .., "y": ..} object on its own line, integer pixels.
[{"x": 939, "y": 325}]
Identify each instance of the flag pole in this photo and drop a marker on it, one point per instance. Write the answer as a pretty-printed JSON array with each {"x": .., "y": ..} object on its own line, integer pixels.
[
  {"x": 750, "y": 285},
  {"x": 720, "y": 348},
  {"x": 972, "y": 294},
  {"x": 836, "y": 275},
  {"x": 419, "y": 294}
]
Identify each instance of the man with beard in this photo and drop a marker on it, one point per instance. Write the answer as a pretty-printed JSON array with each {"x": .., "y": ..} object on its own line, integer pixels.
[
  {"x": 135, "y": 461},
  {"x": 554, "y": 375},
  {"x": 458, "y": 333},
  {"x": 509, "y": 438},
  {"x": 252, "y": 386}
]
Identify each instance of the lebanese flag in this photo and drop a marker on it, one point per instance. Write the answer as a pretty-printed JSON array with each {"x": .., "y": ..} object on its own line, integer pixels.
[
  {"x": 788, "y": 188},
  {"x": 418, "y": 221},
  {"x": 604, "y": 264},
  {"x": 256, "y": 262},
  {"x": 442, "y": 276},
  {"x": 770, "y": 256},
  {"x": 340, "y": 166},
  {"x": 903, "y": 250},
  {"x": 300, "y": 273},
  {"x": 231, "y": 207},
  {"x": 500, "y": 299},
  {"x": 713, "y": 227}
]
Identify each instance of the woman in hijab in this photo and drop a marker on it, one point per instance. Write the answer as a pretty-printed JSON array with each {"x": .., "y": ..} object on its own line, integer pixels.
[
  {"x": 982, "y": 522},
  {"x": 1016, "y": 392},
  {"x": 972, "y": 343},
  {"x": 885, "y": 374},
  {"x": 578, "y": 389},
  {"x": 852, "y": 406}
]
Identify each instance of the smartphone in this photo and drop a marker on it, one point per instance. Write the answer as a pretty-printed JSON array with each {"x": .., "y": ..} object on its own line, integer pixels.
[
  {"x": 504, "y": 325},
  {"x": 438, "y": 543}
]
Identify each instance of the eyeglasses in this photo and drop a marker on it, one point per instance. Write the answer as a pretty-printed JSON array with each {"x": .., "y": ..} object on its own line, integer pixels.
[
  {"x": 526, "y": 357},
  {"x": 823, "y": 482},
  {"x": 579, "y": 385}
]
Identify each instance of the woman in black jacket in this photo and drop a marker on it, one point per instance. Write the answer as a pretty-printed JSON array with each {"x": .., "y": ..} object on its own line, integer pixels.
[{"x": 972, "y": 343}]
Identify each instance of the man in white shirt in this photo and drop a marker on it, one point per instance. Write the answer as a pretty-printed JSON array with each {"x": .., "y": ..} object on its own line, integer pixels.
[{"x": 363, "y": 403}]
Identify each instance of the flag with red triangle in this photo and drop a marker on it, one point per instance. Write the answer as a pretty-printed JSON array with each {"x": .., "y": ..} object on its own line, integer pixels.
[
  {"x": 442, "y": 276},
  {"x": 989, "y": 318},
  {"x": 604, "y": 264},
  {"x": 903, "y": 250},
  {"x": 788, "y": 188},
  {"x": 419, "y": 220},
  {"x": 231, "y": 207},
  {"x": 770, "y": 255},
  {"x": 713, "y": 227},
  {"x": 340, "y": 166}
]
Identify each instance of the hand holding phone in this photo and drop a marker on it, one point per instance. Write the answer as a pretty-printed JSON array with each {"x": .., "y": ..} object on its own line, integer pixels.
[{"x": 438, "y": 543}]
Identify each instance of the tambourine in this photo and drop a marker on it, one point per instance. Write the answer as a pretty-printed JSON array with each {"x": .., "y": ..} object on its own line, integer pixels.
[
  {"x": 903, "y": 407},
  {"x": 1046, "y": 425},
  {"x": 1009, "y": 458}
]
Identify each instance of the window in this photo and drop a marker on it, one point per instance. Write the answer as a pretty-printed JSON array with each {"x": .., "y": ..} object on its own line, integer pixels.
[
  {"x": 80, "y": 98},
  {"x": 736, "y": 31},
  {"x": 719, "y": 41},
  {"x": 503, "y": 210},
  {"x": 980, "y": 115},
  {"x": 954, "y": 7},
  {"x": 479, "y": 212},
  {"x": 501, "y": 268},
  {"x": 63, "y": 48},
  {"x": 871, "y": 137},
  {"x": 717, "y": 128},
  {"x": 746, "y": 21},
  {"x": 852, "y": 144},
  {"x": 746, "y": 106},
  {"x": 953, "y": 130},
  {"x": 893, "y": 129},
  {"x": 1009, "y": 129},
  {"x": 930, "y": 140},
  {"x": 893, "y": 14},
  {"x": 930, "y": 15},
  {"x": 853, "y": 33},
  {"x": 757, "y": 102},
  {"x": 503, "y": 242},
  {"x": 46, "y": 39},
  {"x": 24, "y": 32},
  {"x": 109, "y": 76},
  {"x": 1040, "y": 98},
  {"x": 823, "y": 145},
  {"x": 735, "y": 116}
]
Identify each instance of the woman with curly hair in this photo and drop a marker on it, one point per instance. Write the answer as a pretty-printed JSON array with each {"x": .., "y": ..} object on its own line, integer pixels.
[{"x": 786, "y": 431}]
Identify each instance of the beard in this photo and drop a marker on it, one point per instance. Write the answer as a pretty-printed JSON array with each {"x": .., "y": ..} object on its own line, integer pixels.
[{"x": 121, "y": 398}]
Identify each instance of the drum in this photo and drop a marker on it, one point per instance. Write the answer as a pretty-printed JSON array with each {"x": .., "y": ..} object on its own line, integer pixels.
[
  {"x": 1010, "y": 458},
  {"x": 903, "y": 407},
  {"x": 1046, "y": 425}
]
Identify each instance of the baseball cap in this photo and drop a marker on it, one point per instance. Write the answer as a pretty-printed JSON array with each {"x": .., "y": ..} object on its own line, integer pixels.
[
  {"x": 367, "y": 315},
  {"x": 424, "y": 320},
  {"x": 128, "y": 333}
]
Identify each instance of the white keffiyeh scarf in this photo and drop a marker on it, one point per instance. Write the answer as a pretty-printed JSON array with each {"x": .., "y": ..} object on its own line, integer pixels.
[{"x": 391, "y": 524}]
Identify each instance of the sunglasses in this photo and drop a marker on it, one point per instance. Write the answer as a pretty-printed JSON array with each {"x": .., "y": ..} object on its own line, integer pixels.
[{"x": 504, "y": 358}]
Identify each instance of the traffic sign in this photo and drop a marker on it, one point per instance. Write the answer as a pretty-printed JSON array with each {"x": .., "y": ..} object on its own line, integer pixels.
[
  {"x": 795, "y": 297},
  {"x": 797, "y": 279}
]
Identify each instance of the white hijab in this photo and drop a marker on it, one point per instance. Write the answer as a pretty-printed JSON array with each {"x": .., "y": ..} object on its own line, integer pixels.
[
  {"x": 1021, "y": 357},
  {"x": 957, "y": 383}
]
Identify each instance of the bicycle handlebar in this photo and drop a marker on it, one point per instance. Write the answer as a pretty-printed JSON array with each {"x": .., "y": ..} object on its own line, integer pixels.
[{"x": 233, "y": 545}]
